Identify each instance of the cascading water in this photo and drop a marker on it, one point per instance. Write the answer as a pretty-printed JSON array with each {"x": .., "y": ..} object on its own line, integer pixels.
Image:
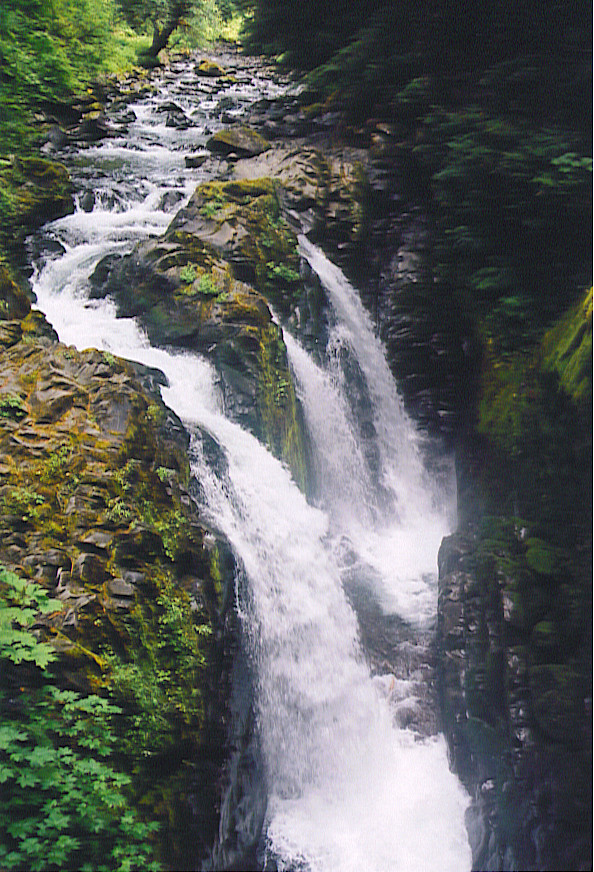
[
  {"x": 399, "y": 540},
  {"x": 348, "y": 788}
]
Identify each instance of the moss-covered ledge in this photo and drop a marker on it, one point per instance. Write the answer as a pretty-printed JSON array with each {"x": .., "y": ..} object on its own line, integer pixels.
[{"x": 33, "y": 190}]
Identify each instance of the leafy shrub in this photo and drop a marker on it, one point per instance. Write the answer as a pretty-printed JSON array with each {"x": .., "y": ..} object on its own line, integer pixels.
[{"x": 62, "y": 805}]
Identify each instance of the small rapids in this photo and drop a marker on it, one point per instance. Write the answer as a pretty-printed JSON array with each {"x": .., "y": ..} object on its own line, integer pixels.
[{"x": 349, "y": 787}]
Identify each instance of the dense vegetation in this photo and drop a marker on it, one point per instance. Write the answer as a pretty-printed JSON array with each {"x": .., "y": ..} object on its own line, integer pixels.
[
  {"x": 63, "y": 804},
  {"x": 50, "y": 49}
]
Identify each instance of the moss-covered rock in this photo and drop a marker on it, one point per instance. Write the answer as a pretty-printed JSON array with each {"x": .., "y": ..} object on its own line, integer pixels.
[
  {"x": 239, "y": 141},
  {"x": 33, "y": 190},
  {"x": 209, "y": 69},
  {"x": 557, "y": 693},
  {"x": 567, "y": 350},
  {"x": 206, "y": 285},
  {"x": 14, "y": 300},
  {"x": 94, "y": 506}
]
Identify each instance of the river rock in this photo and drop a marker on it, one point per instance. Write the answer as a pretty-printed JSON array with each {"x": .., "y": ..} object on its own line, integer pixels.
[
  {"x": 209, "y": 69},
  {"x": 194, "y": 161},
  {"x": 242, "y": 141}
]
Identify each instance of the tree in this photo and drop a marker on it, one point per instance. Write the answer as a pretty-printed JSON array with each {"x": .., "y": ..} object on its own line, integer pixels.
[{"x": 165, "y": 16}]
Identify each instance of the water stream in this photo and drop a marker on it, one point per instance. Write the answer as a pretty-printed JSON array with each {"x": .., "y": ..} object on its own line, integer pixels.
[{"x": 350, "y": 787}]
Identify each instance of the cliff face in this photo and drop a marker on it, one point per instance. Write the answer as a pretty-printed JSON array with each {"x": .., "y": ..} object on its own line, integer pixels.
[{"x": 515, "y": 602}]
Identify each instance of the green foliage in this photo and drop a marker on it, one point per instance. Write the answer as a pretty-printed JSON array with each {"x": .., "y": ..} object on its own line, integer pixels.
[
  {"x": 62, "y": 805},
  {"x": 171, "y": 526},
  {"x": 212, "y": 208},
  {"x": 57, "y": 463},
  {"x": 23, "y": 502},
  {"x": 188, "y": 273},
  {"x": 118, "y": 512},
  {"x": 282, "y": 272},
  {"x": 161, "y": 680},
  {"x": 176, "y": 24},
  {"x": 47, "y": 49},
  {"x": 206, "y": 286},
  {"x": 20, "y": 602},
  {"x": 504, "y": 189},
  {"x": 12, "y": 406},
  {"x": 164, "y": 473}
]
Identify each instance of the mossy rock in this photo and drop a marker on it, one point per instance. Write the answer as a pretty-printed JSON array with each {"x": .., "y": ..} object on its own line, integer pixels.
[
  {"x": 283, "y": 430},
  {"x": 209, "y": 69},
  {"x": 542, "y": 558},
  {"x": 241, "y": 141},
  {"x": 93, "y": 504},
  {"x": 36, "y": 190},
  {"x": 507, "y": 386},
  {"x": 557, "y": 695},
  {"x": 14, "y": 301},
  {"x": 242, "y": 222}
]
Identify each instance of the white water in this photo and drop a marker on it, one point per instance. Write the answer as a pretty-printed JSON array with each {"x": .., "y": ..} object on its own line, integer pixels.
[
  {"x": 400, "y": 538},
  {"x": 349, "y": 790}
]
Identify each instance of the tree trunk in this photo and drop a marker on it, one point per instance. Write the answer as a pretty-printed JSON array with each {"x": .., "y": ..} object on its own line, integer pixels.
[{"x": 161, "y": 35}]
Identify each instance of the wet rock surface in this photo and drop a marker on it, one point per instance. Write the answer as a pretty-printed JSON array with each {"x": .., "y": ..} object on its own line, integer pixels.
[{"x": 516, "y": 706}]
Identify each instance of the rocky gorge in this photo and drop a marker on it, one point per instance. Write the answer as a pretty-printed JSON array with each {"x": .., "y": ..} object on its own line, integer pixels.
[{"x": 100, "y": 505}]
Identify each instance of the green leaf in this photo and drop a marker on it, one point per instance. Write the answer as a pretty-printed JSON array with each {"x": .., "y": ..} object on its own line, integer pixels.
[
  {"x": 10, "y": 733},
  {"x": 6, "y": 773}
]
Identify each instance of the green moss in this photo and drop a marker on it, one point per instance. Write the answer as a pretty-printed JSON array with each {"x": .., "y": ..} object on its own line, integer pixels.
[
  {"x": 567, "y": 350},
  {"x": 508, "y": 386},
  {"x": 541, "y": 557},
  {"x": 216, "y": 573},
  {"x": 278, "y": 406}
]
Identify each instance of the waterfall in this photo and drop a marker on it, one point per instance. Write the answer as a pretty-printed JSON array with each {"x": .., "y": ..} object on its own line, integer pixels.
[
  {"x": 349, "y": 788},
  {"x": 395, "y": 523}
]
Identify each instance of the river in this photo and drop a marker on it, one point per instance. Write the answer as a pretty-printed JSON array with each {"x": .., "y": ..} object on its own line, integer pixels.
[{"x": 357, "y": 775}]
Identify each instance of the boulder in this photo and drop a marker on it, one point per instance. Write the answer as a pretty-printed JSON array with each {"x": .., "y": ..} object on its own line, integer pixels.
[
  {"x": 209, "y": 69},
  {"x": 241, "y": 141}
]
